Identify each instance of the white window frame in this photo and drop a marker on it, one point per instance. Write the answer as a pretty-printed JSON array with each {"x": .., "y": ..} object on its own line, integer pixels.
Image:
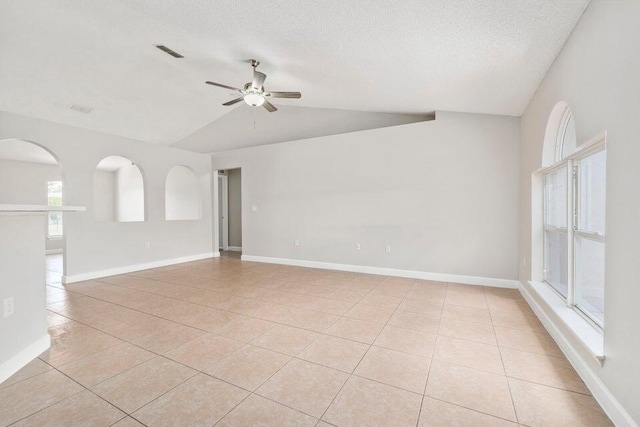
[
  {"x": 564, "y": 125},
  {"x": 571, "y": 163}
]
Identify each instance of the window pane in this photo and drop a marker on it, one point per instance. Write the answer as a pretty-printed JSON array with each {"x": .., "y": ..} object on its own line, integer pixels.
[
  {"x": 589, "y": 279},
  {"x": 54, "y": 193},
  {"x": 555, "y": 251},
  {"x": 556, "y": 198},
  {"x": 55, "y": 224},
  {"x": 54, "y": 198},
  {"x": 592, "y": 192}
]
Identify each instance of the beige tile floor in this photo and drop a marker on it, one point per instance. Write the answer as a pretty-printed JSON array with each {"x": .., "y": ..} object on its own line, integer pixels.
[{"x": 232, "y": 343}]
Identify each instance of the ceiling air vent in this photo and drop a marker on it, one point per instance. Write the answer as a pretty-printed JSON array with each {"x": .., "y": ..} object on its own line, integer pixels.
[
  {"x": 81, "y": 108},
  {"x": 169, "y": 51}
]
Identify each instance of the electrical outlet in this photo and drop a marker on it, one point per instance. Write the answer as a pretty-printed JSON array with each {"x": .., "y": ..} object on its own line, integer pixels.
[
  {"x": 254, "y": 208},
  {"x": 8, "y": 307},
  {"x": 387, "y": 249},
  {"x": 358, "y": 246},
  {"x": 524, "y": 261},
  {"x": 147, "y": 245},
  {"x": 296, "y": 242}
]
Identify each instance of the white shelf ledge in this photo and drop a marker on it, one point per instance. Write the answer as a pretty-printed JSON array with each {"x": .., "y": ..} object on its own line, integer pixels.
[{"x": 41, "y": 208}]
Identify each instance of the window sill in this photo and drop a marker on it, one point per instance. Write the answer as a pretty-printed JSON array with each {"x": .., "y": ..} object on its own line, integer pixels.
[
  {"x": 55, "y": 237},
  {"x": 590, "y": 336}
]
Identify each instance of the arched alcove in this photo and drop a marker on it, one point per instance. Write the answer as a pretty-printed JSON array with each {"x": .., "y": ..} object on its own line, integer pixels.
[
  {"x": 118, "y": 191},
  {"x": 31, "y": 174},
  {"x": 560, "y": 135},
  {"x": 183, "y": 195}
]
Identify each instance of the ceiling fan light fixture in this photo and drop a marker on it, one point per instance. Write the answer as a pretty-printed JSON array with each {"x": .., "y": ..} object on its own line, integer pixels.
[{"x": 254, "y": 99}]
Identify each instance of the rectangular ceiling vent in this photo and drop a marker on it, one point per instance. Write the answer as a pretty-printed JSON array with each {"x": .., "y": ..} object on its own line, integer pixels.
[
  {"x": 81, "y": 108},
  {"x": 169, "y": 51}
]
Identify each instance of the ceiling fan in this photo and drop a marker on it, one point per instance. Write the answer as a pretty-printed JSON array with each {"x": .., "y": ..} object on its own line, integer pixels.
[{"x": 254, "y": 93}]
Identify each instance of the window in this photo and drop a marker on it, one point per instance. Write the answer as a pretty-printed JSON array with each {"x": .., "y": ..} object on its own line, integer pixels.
[
  {"x": 555, "y": 230},
  {"x": 590, "y": 185},
  {"x": 574, "y": 229},
  {"x": 54, "y": 198},
  {"x": 566, "y": 138}
]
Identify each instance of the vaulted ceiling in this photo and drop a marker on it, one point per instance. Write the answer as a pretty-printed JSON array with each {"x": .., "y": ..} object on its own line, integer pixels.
[{"x": 405, "y": 57}]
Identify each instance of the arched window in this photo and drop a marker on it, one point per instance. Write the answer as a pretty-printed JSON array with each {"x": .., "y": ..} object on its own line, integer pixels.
[
  {"x": 573, "y": 200},
  {"x": 183, "y": 195},
  {"x": 560, "y": 136},
  {"x": 118, "y": 191},
  {"x": 566, "y": 138}
]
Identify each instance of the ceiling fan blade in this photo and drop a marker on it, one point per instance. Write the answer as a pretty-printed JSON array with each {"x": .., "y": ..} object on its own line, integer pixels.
[
  {"x": 293, "y": 95},
  {"x": 258, "y": 79},
  {"x": 234, "y": 101},
  {"x": 223, "y": 86},
  {"x": 269, "y": 106}
]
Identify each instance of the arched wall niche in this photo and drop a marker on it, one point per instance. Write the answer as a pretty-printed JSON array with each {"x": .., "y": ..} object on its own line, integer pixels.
[
  {"x": 27, "y": 184},
  {"x": 118, "y": 191},
  {"x": 183, "y": 195}
]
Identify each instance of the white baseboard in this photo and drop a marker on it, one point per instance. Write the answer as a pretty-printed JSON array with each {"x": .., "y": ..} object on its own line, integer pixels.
[
  {"x": 586, "y": 370},
  {"x": 234, "y": 248},
  {"x": 438, "y": 277},
  {"x": 53, "y": 251},
  {"x": 21, "y": 359},
  {"x": 135, "y": 267}
]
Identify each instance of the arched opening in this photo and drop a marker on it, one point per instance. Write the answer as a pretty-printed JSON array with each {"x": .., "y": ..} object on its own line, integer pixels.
[
  {"x": 183, "y": 195},
  {"x": 32, "y": 175},
  {"x": 118, "y": 191}
]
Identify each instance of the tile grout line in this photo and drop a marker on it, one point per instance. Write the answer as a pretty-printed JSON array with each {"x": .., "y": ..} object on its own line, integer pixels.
[
  {"x": 295, "y": 357},
  {"x": 320, "y": 333},
  {"x": 513, "y": 405},
  {"x": 74, "y": 394},
  {"x": 364, "y": 355},
  {"x": 353, "y": 304},
  {"x": 435, "y": 345}
]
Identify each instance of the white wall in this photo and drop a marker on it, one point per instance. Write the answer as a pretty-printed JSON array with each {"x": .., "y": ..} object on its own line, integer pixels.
[
  {"x": 26, "y": 183},
  {"x": 104, "y": 190},
  {"x": 93, "y": 246},
  {"x": 23, "y": 278},
  {"x": 597, "y": 75},
  {"x": 183, "y": 195},
  {"x": 443, "y": 194},
  {"x": 235, "y": 207},
  {"x": 129, "y": 194}
]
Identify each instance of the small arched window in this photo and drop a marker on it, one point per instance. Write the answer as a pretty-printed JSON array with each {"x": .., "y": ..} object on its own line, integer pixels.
[
  {"x": 560, "y": 136},
  {"x": 566, "y": 136},
  {"x": 183, "y": 195},
  {"x": 118, "y": 191}
]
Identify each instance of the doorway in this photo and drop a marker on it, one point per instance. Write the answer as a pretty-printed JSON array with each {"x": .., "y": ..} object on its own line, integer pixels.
[
  {"x": 223, "y": 211},
  {"x": 230, "y": 210}
]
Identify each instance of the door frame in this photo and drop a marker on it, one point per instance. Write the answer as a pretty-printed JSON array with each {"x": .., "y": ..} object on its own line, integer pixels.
[{"x": 223, "y": 211}]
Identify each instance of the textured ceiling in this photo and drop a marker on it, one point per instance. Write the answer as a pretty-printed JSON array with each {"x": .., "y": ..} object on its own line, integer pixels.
[{"x": 410, "y": 56}]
